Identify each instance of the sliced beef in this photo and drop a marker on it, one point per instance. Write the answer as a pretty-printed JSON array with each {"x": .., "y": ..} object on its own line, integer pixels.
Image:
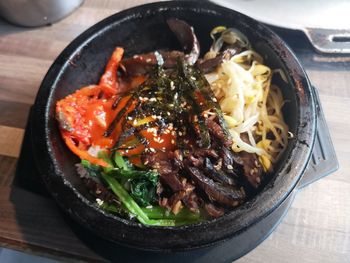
[
  {"x": 229, "y": 162},
  {"x": 251, "y": 165},
  {"x": 171, "y": 180},
  {"x": 168, "y": 174},
  {"x": 196, "y": 161},
  {"x": 143, "y": 64},
  {"x": 227, "y": 157},
  {"x": 222, "y": 194},
  {"x": 202, "y": 152},
  {"x": 187, "y": 38},
  {"x": 217, "y": 175},
  {"x": 178, "y": 158},
  {"x": 210, "y": 65},
  {"x": 192, "y": 202},
  {"x": 252, "y": 168},
  {"x": 217, "y": 131},
  {"x": 213, "y": 210},
  {"x": 186, "y": 197}
]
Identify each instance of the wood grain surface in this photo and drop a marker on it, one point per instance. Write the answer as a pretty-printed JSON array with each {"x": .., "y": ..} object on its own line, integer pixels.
[{"x": 316, "y": 228}]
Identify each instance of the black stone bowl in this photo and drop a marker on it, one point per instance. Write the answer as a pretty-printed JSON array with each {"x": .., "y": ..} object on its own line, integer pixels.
[{"x": 144, "y": 29}]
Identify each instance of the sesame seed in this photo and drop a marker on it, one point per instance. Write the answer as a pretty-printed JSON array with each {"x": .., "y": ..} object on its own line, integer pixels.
[
  {"x": 172, "y": 141},
  {"x": 193, "y": 78},
  {"x": 148, "y": 60},
  {"x": 153, "y": 99},
  {"x": 290, "y": 135},
  {"x": 172, "y": 86},
  {"x": 229, "y": 166},
  {"x": 215, "y": 100},
  {"x": 99, "y": 201}
]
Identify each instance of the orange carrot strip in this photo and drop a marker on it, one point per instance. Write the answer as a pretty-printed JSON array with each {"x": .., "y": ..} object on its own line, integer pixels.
[
  {"x": 84, "y": 155},
  {"x": 137, "y": 81},
  {"x": 125, "y": 85},
  {"x": 136, "y": 160},
  {"x": 108, "y": 81}
]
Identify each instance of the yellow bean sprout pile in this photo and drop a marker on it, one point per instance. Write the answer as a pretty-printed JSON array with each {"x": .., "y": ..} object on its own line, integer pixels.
[{"x": 250, "y": 104}]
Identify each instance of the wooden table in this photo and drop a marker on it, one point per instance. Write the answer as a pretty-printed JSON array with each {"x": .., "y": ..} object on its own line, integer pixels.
[{"x": 316, "y": 228}]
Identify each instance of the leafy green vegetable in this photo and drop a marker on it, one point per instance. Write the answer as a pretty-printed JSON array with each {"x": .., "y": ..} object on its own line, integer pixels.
[
  {"x": 143, "y": 189},
  {"x": 157, "y": 212},
  {"x": 142, "y": 183},
  {"x": 184, "y": 217},
  {"x": 116, "y": 209},
  {"x": 105, "y": 156},
  {"x": 92, "y": 169},
  {"x": 121, "y": 162},
  {"x": 131, "y": 205}
]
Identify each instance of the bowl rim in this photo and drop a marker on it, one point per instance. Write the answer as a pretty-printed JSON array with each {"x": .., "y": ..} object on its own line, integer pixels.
[{"x": 293, "y": 167}]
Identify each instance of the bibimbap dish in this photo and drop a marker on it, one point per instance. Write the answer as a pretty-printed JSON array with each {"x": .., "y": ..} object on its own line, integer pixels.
[
  {"x": 168, "y": 138},
  {"x": 173, "y": 125}
]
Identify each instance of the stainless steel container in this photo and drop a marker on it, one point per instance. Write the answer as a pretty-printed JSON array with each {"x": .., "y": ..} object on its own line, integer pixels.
[{"x": 33, "y": 13}]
